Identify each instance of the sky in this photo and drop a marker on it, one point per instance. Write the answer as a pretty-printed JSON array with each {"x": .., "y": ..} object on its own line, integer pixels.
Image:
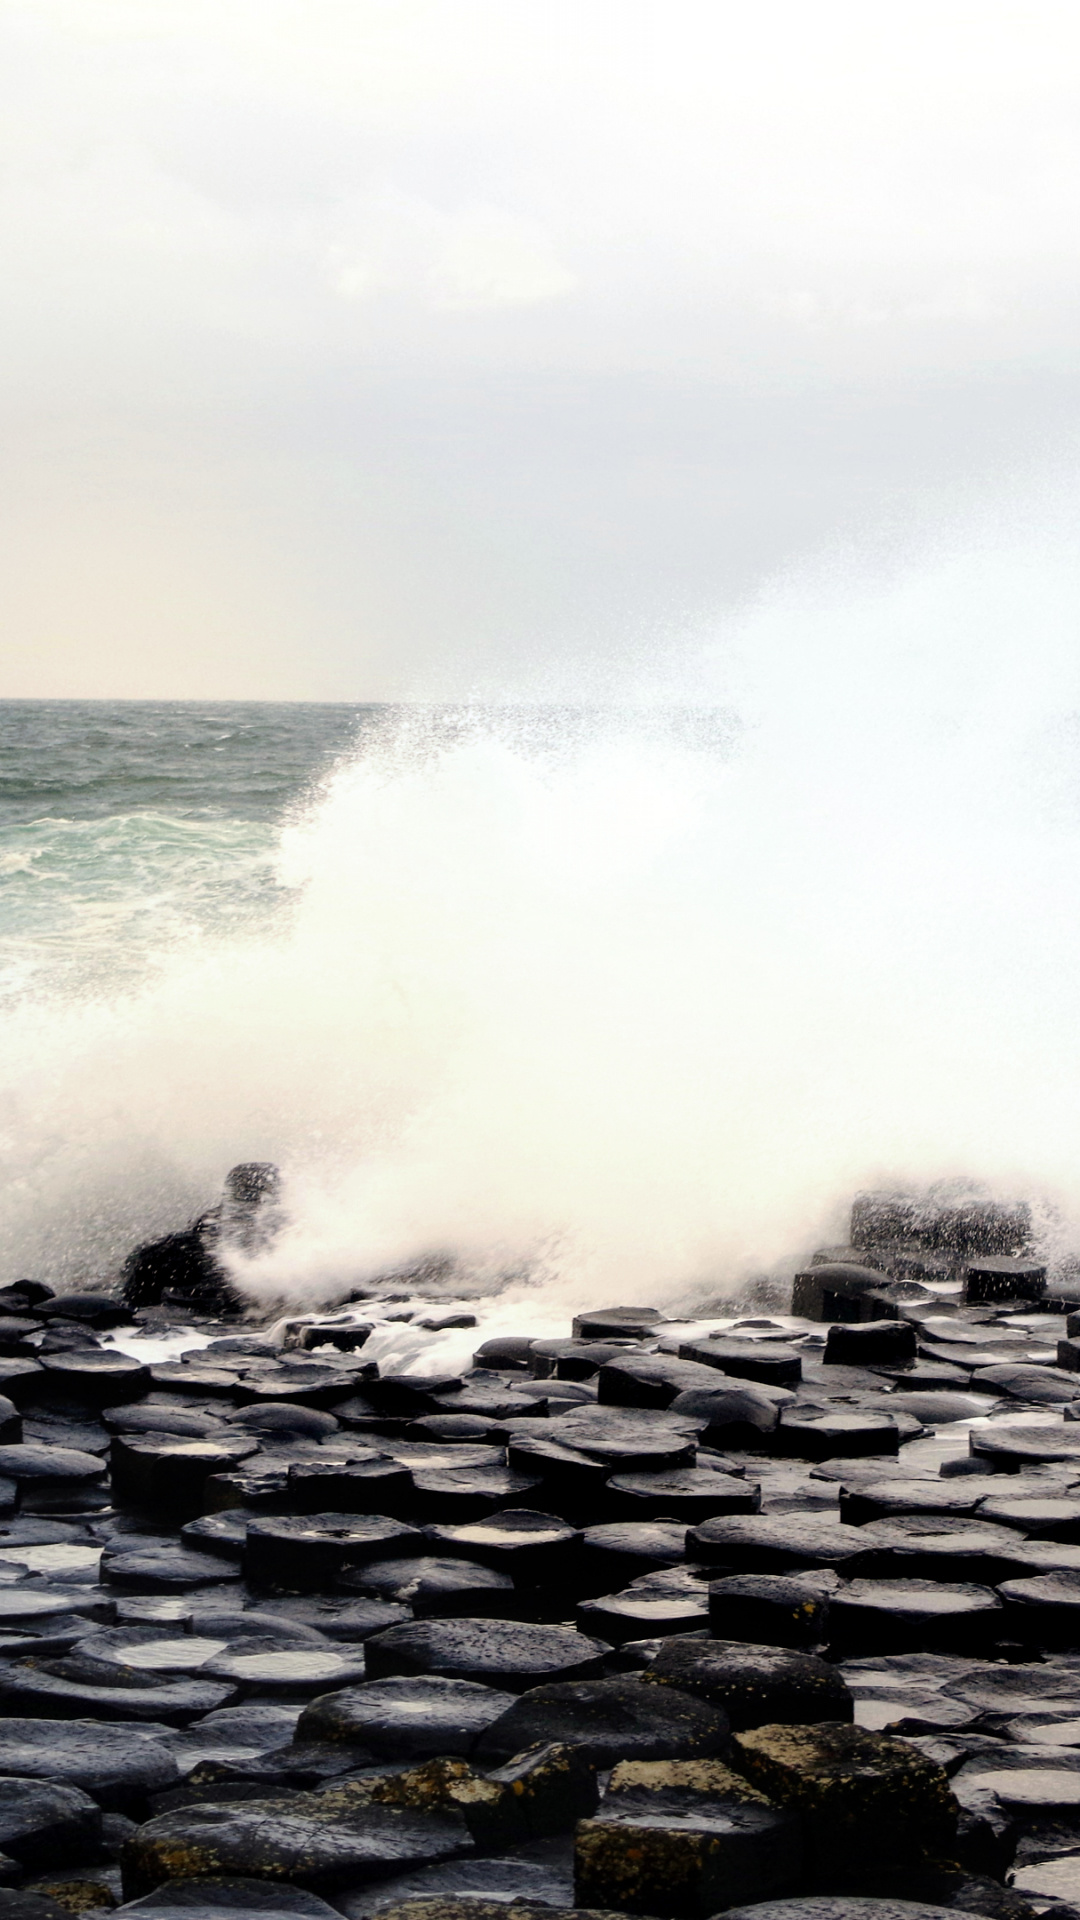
[{"x": 392, "y": 349}]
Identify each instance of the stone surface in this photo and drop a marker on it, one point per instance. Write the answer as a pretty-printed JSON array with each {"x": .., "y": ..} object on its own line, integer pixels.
[
  {"x": 510, "y": 1655},
  {"x": 410, "y": 1718},
  {"x": 608, "y": 1720},
  {"x": 316, "y": 1841},
  {"x": 753, "y": 1684},
  {"x": 867, "y": 1802}
]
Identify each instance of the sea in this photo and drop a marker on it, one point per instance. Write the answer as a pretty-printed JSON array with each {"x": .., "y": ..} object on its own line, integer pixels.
[{"x": 560, "y": 1007}]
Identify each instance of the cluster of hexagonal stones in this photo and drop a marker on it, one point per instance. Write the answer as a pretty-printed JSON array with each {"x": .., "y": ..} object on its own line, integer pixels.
[{"x": 666, "y": 1618}]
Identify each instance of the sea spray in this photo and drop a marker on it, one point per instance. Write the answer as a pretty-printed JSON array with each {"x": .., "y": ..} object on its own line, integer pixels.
[{"x": 625, "y": 1002}]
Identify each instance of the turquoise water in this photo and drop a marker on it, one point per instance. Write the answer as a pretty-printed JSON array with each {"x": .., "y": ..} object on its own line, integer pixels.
[{"x": 130, "y": 828}]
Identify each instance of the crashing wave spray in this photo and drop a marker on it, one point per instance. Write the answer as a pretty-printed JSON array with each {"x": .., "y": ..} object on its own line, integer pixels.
[{"x": 621, "y": 1006}]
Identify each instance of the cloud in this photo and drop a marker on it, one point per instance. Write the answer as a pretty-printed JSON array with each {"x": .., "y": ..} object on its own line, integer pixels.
[{"x": 470, "y": 260}]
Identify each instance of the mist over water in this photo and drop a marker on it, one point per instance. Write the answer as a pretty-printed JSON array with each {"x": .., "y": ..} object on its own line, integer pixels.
[{"x": 612, "y": 1003}]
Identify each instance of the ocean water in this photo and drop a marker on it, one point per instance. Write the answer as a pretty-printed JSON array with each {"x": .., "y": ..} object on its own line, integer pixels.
[
  {"x": 128, "y": 828},
  {"x": 560, "y": 1006}
]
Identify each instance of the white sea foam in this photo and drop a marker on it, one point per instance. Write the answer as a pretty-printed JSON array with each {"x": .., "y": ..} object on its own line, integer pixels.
[{"x": 627, "y": 1011}]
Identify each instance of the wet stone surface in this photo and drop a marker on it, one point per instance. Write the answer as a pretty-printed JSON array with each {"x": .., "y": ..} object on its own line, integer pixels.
[{"x": 282, "y": 1633}]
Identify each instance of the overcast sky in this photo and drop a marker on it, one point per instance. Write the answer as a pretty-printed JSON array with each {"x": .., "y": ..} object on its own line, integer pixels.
[{"x": 386, "y": 348}]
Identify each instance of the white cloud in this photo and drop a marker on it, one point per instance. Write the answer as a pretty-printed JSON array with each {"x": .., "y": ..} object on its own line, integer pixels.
[{"x": 470, "y": 260}]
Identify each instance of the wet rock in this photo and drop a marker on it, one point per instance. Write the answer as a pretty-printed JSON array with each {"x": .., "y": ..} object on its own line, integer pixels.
[
  {"x": 410, "y": 1718},
  {"x": 618, "y": 1552},
  {"x": 96, "y": 1377},
  {"x": 43, "y": 1823},
  {"x": 810, "y": 1433},
  {"x": 773, "y": 1543},
  {"x": 1044, "y": 1610},
  {"x": 630, "y": 1440},
  {"x": 945, "y": 1547},
  {"x": 538, "y": 1872},
  {"x": 650, "y": 1380},
  {"x": 303, "y": 1554},
  {"x": 509, "y": 1351},
  {"x": 263, "y": 1665},
  {"x": 679, "y": 1838},
  {"x": 1044, "y": 1386},
  {"x": 374, "y": 1485},
  {"x": 769, "y": 1362},
  {"x": 74, "y": 1689},
  {"x": 753, "y": 1684},
  {"x": 867, "y": 1802},
  {"x": 163, "y": 1471},
  {"x": 608, "y": 1720},
  {"x": 884, "y": 1499},
  {"x": 871, "y": 1343},
  {"x": 638, "y": 1613},
  {"x": 95, "y": 1309},
  {"x": 534, "y": 1548},
  {"x": 433, "y": 1587},
  {"x": 901, "y": 1615},
  {"x": 282, "y": 1416},
  {"x": 694, "y": 1493},
  {"x": 775, "y": 1610},
  {"x": 733, "y": 1418},
  {"x": 165, "y": 1570},
  {"x": 616, "y": 1323},
  {"x": 118, "y": 1766},
  {"x": 313, "y": 1840},
  {"x": 338, "y": 1618},
  {"x": 542, "y": 1792},
  {"x": 511, "y": 1656},
  {"x": 1044, "y": 1517},
  {"x": 1003, "y": 1277},
  {"x": 211, "y": 1897},
  {"x": 822, "y": 1906},
  {"x": 56, "y": 1472}
]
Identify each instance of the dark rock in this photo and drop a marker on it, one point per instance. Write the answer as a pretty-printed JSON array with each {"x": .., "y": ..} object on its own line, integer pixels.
[
  {"x": 871, "y": 1343},
  {"x": 936, "y": 1546},
  {"x": 682, "y": 1837},
  {"x": 303, "y": 1554},
  {"x": 433, "y": 1587},
  {"x": 71, "y": 1689},
  {"x": 809, "y": 1433},
  {"x": 868, "y": 1802},
  {"x": 616, "y": 1323},
  {"x": 263, "y": 1665},
  {"x": 694, "y": 1493},
  {"x": 902, "y": 1615},
  {"x": 96, "y": 1309},
  {"x": 773, "y": 1610},
  {"x": 534, "y": 1548},
  {"x": 885, "y": 1499},
  {"x": 508, "y": 1350},
  {"x": 409, "y": 1718},
  {"x": 609, "y": 1720},
  {"x": 160, "y": 1471},
  {"x": 619, "y": 1617},
  {"x": 650, "y": 1380},
  {"x": 1003, "y": 1277},
  {"x": 1042, "y": 1386},
  {"x": 375, "y": 1485},
  {"x": 165, "y": 1570},
  {"x": 762, "y": 1360},
  {"x": 753, "y": 1684},
  {"x": 118, "y": 1766},
  {"x": 42, "y": 1823},
  {"x": 733, "y": 1418},
  {"x": 99, "y": 1377},
  {"x": 315, "y": 1840},
  {"x": 469, "y": 1493},
  {"x": 509, "y": 1655},
  {"x": 1044, "y": 1610},
  {"x": 773, "y": 1543},
  {"x": 281, "y": 1416},
  {"x": 339, "y": 1618},
  {"x": 618, "y": 1552},
  {"x": 209, "y": 1897}
]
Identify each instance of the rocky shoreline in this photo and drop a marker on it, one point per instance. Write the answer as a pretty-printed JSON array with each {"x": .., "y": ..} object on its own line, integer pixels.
[{"x": 776, "y": 1614}]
